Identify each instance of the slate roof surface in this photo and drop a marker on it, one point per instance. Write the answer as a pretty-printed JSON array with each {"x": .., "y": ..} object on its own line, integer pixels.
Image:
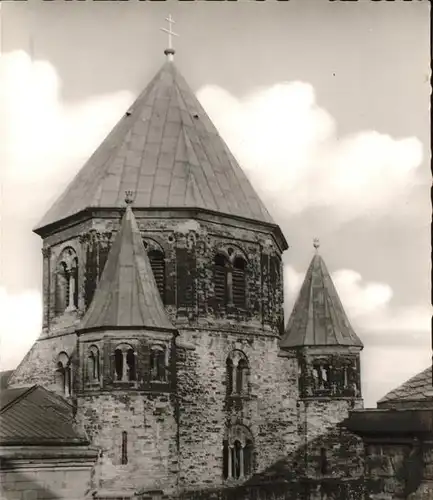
[
  {"x": 33, "y": 415},
  {"x": 414, "y": 389},
  {"x": 127, "y": 294},
  {"x": 167, "y": 151},
  {"x": 318, "y": 317}
]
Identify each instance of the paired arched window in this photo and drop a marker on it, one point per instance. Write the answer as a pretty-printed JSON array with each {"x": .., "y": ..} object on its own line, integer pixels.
[
  {"x": 66, "y": 296},
  {"x": 230, "y": 279},
  {"x": 158, "y": 364},
  {"x": 238, "y": 453},
  {"x": 237, "y": 374},
  {"x": 157, "y": 263},
  {"x": 63, "y": 374},
  {"x": 93, "y": 364},
  {"x": 124, "y": 364}
]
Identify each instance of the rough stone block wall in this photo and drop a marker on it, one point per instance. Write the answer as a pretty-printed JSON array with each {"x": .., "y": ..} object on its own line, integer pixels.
[
  {"x": 150, "y": 423},
  {"x": 269, "y": 412},
  {"x": 40, "y": 363},
  {"x": 44, "y": 483},
  {"x": 399, "y": 470}
]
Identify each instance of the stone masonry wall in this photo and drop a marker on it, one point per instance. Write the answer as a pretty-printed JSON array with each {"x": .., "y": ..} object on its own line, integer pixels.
[
  {"x": 269, "y": 411},
  {"x": 150, "y": 423},
  {"x": 41, "y": 481},
  {"x": 40, "y": 363}
]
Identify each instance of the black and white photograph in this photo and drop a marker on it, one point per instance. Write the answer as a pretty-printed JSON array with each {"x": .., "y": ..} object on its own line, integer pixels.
[{"x": 215, "y": 250}]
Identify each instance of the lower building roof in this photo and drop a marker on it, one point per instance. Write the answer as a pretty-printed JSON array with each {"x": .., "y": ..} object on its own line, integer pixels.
[{"x": 35, "y": 416}]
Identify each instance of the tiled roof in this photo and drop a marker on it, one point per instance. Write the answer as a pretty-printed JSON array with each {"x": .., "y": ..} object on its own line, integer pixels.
[
  {"x": 127, "y": 294},
  {"x": 33, "y": 415},
  {"x": 318, "y": 317},
  {"x": 167, "y": 151},
  {"x": 414, "y": 389}
]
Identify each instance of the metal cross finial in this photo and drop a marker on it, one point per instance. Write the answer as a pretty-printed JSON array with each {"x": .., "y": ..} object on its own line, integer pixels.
[
  {"x": 316, "y": 244},
  {"x": 169, "y": 51}
]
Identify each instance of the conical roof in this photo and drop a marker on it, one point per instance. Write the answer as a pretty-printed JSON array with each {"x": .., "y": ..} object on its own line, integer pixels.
[
  {"x": 127, "y": 294},
  {"x": 318, "y": 317},
  {"x": 167, "y": 151}
]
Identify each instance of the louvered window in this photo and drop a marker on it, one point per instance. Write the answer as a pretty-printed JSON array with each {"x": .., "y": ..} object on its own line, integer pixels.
[
  {"x": 239, "y": 283},
  {"x": 220, "y": 279},
  {"x": 157, "y": 263}
]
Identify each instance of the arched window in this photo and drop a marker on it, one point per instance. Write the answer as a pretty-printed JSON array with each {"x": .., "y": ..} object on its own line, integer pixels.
[
  {"x": 238, "y": 453},
  {"x": 66, "y": 296},
  {"x": 158, "y": 364},
  {"x": 157, "y": 263},
  {"x": 124, "y": 363},
  {"x": 63, "y": 374},
  {"x": 93, "y": 364},
  {"x": 239, "y": 284},
  {"x": 238, "y": 372}
]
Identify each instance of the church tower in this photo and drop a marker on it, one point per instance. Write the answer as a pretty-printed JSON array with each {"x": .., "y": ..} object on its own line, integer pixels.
[
  {"x": 162, "y": 321},
  {"x": 328, "y": 354}
]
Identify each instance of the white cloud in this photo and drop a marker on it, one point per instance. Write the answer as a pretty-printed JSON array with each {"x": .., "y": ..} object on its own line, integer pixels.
[
  {"x": 43, "y": 140},
  {"x": 289, "y": 147},
  {"x": 20, "y": 325},
  {"x": 367, "y": 304}
]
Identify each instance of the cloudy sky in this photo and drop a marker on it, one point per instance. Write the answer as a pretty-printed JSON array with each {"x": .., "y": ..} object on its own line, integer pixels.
[{"x": 325, "y": 104}]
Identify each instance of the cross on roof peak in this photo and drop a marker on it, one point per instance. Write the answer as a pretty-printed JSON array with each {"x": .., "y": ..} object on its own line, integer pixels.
[
  {"x": 169, "y": 51},
  {"x": 316, "y": 244}
]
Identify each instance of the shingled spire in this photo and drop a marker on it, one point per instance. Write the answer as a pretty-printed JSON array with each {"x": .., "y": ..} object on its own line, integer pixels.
[
  {"x": 127, "y": 294},
  {"x": 318, "y": 317},
  {"x": 166, "y": 150}
]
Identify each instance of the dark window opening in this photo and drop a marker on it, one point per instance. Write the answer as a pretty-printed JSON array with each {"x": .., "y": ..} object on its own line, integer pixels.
[
  {"x": 124, "y": 448},
  {"x": 157, "y": 365},
  {"x": 220, "y": 279},
  {"x": 237, "y": 459},
  {"x": 130, "y": 362},
  {"x": 229, "y": 375},
  {"x": 118, "y": 364},
  {"x": 226, "y": 451},
  {"x": 323, "y": 461},
  {"x": 238, "y": 280},
  {"x": 157, "y": 263},
  {"x": 241, "y": 376}
]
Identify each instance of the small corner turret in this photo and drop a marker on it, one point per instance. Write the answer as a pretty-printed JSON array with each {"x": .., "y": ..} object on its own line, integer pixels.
[{"x": 320, "y": 332}]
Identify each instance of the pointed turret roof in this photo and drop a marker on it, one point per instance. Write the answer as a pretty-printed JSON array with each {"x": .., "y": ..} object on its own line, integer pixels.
[
  {"x": 318, "y": 317},
  {"x": 166, "y": 150},
  {"x": 127, "y": 294}
]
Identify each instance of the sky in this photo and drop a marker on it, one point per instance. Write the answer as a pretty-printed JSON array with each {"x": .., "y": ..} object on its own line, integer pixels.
[{"x": 324, "y": 104}]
